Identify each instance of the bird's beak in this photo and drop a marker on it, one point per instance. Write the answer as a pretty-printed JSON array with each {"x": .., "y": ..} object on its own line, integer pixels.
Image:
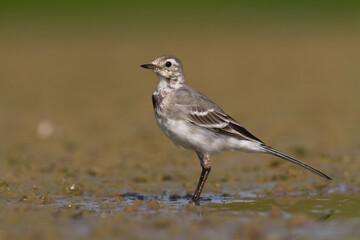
[{"x": 148, "y": 66}]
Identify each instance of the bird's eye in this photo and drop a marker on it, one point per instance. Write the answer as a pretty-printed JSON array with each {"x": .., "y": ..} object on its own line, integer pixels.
[{"x": 168, "y": 64}]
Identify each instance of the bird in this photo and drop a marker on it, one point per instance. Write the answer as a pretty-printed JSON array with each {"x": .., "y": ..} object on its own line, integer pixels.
[{"x": 192, "y": 121}]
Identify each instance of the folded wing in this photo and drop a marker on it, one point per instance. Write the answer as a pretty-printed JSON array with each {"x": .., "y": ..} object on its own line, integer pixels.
[{"x": 219, "y": 121}]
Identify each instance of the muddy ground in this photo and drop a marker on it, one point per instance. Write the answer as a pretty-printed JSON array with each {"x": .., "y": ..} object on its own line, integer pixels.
[{"x": 81, "y": 156}]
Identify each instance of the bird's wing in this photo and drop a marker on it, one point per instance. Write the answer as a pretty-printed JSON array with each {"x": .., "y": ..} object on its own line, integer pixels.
[
  {"x": 218, "y": 121},
  {"x": 202, "y": 112}
]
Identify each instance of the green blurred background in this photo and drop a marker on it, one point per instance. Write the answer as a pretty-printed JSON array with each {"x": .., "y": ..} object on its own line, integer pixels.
[
  {"x": 286, "y": 67},
  {"x": 287, "y": 70}
]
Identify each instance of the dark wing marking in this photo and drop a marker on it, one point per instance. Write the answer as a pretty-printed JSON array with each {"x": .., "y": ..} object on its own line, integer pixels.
[{"x": 219, "y": 122}]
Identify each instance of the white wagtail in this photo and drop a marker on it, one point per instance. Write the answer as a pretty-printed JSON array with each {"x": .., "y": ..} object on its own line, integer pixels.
[{"x": 193, "y": 121}]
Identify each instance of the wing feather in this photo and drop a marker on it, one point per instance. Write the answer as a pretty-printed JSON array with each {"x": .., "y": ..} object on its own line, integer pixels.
[{"x": 218, "y": 121}]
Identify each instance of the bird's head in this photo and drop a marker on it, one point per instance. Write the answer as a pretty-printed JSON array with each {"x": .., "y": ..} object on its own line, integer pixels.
[{"x": 167, "y": 67}]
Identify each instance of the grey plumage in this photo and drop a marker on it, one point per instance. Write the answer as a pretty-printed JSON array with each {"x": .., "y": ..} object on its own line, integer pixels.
[{"x": 191, "y": 120}]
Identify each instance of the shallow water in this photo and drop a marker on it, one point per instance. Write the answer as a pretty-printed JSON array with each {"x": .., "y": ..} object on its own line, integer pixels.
[
  {"x": 339, "y": 205},
  {"x": 315, "y": 216}
]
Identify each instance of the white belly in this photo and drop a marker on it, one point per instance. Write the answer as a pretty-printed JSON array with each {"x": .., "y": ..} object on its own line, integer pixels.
[{"x": 189, "y": 136}]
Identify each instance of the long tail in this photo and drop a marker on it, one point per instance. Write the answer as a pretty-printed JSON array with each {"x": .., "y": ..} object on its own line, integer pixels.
[{"x": 293, "y": 160}]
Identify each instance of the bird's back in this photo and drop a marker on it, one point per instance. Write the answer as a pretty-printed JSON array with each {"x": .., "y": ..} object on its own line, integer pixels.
[{"x": 189, "y": 97}]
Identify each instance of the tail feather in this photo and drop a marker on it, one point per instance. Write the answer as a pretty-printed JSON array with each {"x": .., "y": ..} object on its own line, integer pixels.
[{"x": 293, "y": 160}]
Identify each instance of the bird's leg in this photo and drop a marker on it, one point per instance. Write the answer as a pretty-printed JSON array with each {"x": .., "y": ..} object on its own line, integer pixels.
[{"x": 206, "y": 168}]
